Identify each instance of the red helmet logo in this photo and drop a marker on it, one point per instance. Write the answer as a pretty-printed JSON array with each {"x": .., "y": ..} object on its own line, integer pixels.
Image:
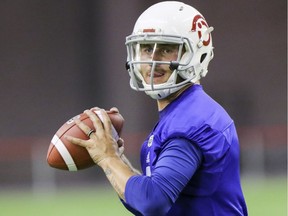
[{"x": 197, "y": 25}]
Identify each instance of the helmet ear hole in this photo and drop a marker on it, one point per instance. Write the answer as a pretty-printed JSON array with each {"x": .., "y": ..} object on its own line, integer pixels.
[
  {"x": 127, "y": 66},
  {"x": 203, "y": 56}
]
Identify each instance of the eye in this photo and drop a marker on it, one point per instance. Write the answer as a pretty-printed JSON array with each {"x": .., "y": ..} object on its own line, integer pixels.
[
  {"x": 169, "y": 50},
  {"x": 147, "y": 49}
]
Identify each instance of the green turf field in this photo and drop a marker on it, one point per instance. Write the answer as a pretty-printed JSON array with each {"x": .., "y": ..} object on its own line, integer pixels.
[{"x": 264, "y": 198}]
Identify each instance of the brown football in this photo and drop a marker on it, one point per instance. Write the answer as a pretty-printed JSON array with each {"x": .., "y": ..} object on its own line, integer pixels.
[{"x": 67, "y": 156}]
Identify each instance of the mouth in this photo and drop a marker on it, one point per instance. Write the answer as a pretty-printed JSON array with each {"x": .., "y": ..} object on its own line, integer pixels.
[
  {"x": 158, "y": 77},
  {"x": 156, "y": 74}
]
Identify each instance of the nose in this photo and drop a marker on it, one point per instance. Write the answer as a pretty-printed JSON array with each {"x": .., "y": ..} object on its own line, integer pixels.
[{"x": 156, "y": 56}]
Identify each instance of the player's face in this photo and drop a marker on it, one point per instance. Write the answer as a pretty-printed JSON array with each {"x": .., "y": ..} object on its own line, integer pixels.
[{"x": 157, "y": 52}]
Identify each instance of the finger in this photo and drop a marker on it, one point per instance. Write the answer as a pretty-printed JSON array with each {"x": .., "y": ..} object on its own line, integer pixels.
[
  {"x": 106, "y": 121},
  {"x": 120, "y": 142},
  {"x": 77, "y": 141},
  {"x": 121, "y": 150},
  {"x": 95, "y": 108},
  {"x": 114, "y": 109},
  {"x": 85, "y": 128},
  {"x": 97, "y": 123}
]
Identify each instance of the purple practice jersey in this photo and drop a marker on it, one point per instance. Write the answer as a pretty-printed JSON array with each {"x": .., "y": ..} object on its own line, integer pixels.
[{"x": 190, "y": 162}]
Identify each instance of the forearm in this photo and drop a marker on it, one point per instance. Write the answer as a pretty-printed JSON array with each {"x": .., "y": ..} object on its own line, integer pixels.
[
  {"x": 118, "y": 173},
  {"x": 126, "y": 161}
]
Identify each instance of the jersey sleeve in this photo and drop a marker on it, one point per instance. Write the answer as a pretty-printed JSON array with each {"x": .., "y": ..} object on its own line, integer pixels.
[{"x": 155, "y": 194}]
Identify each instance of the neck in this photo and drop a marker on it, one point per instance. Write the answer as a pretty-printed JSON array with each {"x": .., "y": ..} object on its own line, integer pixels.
[{"x": 162, "y": 103}]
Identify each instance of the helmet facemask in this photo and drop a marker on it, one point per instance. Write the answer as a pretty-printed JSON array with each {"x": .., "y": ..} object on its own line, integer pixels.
[{"x": 155, "y": 55}]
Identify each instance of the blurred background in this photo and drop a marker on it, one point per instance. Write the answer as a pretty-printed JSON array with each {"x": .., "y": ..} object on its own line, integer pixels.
[{"x": 59, "y": 58}]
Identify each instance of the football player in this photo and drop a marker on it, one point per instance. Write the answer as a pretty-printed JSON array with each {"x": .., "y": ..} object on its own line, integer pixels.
[{"x": 190, "y": 160}]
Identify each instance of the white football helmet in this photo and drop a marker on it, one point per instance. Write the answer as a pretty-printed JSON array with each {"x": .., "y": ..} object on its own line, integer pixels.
[{"x": 170, "y": 22}]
